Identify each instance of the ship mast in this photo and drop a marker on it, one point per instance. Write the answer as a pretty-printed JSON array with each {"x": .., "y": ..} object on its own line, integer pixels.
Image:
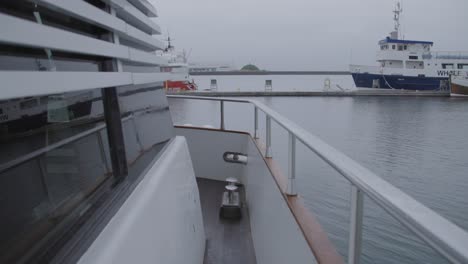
[{"x": 396, "y": 18}]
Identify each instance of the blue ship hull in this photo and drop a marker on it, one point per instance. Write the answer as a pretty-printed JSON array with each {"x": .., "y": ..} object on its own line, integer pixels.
[{"x": 366, "y": 80}]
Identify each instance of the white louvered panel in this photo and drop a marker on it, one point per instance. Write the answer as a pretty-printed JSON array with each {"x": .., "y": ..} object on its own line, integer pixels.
[
  {"x": 17, "y": 31},
  {"x": 21, "y": 84},
  {"x": 89, "y": 13},
  {"x": 17, "y": 84},
  {"x": 145, "y": 57},
  {"x": 142, "y": 78},
  {"x": 86, "y": 12},
  {"x": 134, "y": 16},
  {"x": 143, "y": 39},
  {"x": 145, "y": 7}
]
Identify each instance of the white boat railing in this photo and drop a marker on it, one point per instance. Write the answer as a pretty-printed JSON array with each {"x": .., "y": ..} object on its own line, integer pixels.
[
  {"x": 364, "y": 69},
  {"x": 454, "y": 55},
  {"x": 439, "y": 233}
]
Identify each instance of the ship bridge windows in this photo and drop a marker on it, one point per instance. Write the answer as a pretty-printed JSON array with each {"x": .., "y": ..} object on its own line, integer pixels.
[
  {"x": 413, "y": 57},
  {"x": 447, "y": 66},
  {"x": 414, "y": 65},
  {"x": 384, "y": 47},
  {"x": 463, "y": 66}
]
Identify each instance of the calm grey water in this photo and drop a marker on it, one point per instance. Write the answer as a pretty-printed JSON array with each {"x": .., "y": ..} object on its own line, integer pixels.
[{"x": 418, "y": 144}]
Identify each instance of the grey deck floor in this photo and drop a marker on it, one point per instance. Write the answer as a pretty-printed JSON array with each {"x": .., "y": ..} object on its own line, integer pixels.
[{"x": 228, "y": 241}]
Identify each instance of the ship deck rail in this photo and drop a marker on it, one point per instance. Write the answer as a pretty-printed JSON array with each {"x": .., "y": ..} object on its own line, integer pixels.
[
  {"x": 451, "y": 55},
  {"x": 439, "y": 233}
]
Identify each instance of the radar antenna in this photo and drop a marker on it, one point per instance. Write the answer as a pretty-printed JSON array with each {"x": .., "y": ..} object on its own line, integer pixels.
[
  {"x": 396, "y": 18},
  {"x": 169, "y": 44}
]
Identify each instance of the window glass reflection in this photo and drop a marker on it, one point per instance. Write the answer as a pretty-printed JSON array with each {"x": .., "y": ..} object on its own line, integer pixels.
[{"x": 54, "y": 156}]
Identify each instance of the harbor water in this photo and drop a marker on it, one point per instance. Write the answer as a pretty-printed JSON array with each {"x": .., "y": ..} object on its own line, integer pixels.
[{"x": 418, "y": 144}]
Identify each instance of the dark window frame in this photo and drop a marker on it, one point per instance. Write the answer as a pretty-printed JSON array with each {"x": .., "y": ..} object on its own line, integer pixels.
[{"x": 444, "y": 65}]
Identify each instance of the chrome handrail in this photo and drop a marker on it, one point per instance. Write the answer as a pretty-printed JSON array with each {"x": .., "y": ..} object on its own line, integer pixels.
[{"x": 445, "y": 237}]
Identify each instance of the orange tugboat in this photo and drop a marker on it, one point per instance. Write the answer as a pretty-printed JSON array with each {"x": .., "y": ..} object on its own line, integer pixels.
[{"x": 179, "y": 70}]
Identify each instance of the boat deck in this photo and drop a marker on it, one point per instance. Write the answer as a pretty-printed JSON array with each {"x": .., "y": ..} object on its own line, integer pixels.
[{"x": 228, "y": 241}]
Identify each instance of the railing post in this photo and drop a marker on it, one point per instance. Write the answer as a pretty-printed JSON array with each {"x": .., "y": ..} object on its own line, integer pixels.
[
  {"x": 255, "y": 122},
  {"x": 291, "y": 188},
  {"x": 268, "y": 137},
  {"x": 222, "y": 127},
  {"x": 355, "y": 232}
]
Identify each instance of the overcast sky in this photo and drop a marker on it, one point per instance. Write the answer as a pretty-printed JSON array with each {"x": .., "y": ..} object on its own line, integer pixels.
[{"x": 305, "y": 34}]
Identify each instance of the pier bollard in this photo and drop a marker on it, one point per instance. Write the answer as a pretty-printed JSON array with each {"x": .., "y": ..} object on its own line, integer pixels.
[
  {"x": 214, "y": 85},
  {"x": 268, "y": 86}
]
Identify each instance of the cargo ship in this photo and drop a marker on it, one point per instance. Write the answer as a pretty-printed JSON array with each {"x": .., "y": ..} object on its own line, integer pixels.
[{"x": 409, "y": 64}]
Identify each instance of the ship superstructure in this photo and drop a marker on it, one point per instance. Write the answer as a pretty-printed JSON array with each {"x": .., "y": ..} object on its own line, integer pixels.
[
  {"x": 409, "y": 64},
  {"x": 178, "y": 69}
]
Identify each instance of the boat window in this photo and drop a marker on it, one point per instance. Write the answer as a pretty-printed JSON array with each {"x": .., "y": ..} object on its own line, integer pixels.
[
  {"x": 393, "y": 46},
  {"x": 447, "y": 65},
  {"x": 44, "y": 100},
  {"x": 400, "y": 47},
  {"x": 413, "y": 57},
  {"x": 15, "y": 58},
  {"x": 150, "y": 114},
  {"x": 53, "y": 160},
  {"x": 28, "y": 104},
  {"x": 414, "y": 65},
  {"x": 462, "y": 66},
  {"x": 405, "y": 47},
  {"x": 56, "y": 160}
]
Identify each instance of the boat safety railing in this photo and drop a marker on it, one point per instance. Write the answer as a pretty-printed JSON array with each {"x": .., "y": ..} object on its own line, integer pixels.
[
  {"x": 439, "y": 233},
  {"x": 363, "y": 69},
  {"x": 454, "y": 55}
]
